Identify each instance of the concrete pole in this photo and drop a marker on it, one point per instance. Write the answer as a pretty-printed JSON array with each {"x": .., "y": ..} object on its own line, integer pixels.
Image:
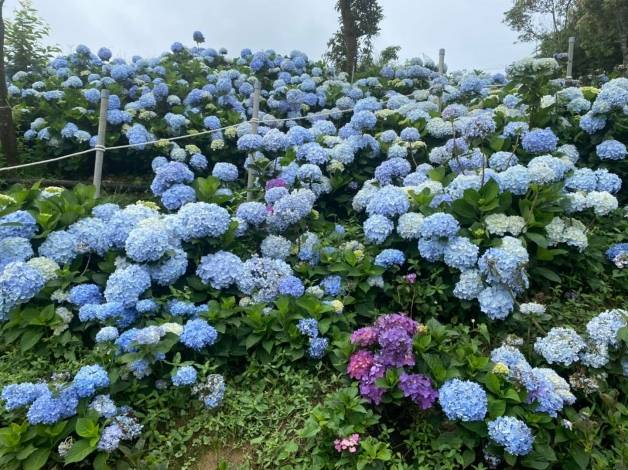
[
  {"x": 254, "y": 123},
  {"x": 572, "y": 43},
  {"x": 100, "y": 141}
]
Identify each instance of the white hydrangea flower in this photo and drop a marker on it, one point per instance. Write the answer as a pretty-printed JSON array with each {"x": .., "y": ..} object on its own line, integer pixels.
[{"x": 532, "y": 308}]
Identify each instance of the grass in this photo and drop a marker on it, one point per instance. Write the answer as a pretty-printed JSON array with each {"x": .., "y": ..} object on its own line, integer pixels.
[{"x": 256, "y": 426}]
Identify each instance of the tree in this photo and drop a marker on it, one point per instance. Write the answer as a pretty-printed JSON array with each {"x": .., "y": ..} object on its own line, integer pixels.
[
  {"x": 600, "y": 28},
  {"x": 389, "y": 54},
  {"x": 7, "y": 128},
  {"x": 603, "y": 29},
  {"x": 540, "y": 21},
  {"x": 24, "y": 50},
  {"x": 352, "y": 44}
]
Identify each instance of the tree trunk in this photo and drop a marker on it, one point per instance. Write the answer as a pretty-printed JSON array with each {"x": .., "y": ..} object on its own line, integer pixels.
[
  {"x": 349, "y": 34},
  {"x": 623, "y": 43},
  {"x": 7, "y": 129}
]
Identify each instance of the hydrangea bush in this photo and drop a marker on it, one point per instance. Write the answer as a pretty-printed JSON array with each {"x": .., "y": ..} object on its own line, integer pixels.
[{"x": 453, "y": 204}]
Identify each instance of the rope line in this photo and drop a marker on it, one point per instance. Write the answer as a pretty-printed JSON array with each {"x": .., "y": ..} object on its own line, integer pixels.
[
  {"x": 180, "y": 137},
  {"x": 47, "y": 161}
]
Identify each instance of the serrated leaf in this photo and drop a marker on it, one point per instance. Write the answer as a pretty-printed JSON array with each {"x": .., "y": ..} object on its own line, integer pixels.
[
  {"x": 86, "y": 427},
  {"x": 36, "y": 460}
]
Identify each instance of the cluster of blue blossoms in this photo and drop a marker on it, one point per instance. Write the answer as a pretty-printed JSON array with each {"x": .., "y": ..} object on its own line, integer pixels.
[
  {"x": 308, "y": 327},
  {"x": 302, "y": 150}
]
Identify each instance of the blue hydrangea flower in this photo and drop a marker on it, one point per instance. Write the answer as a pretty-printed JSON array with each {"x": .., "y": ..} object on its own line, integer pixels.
[
  {"x": 308, "y": 327},
  {"x": 332, "y": 285},
  {"x": 49, "y": 409},
  {"x": 496, "y": 301},
  {"x": 19, "y": 395},
  {"x": 148, "y": 242},
  {"x": 515, "y": 128},
  {"x": 169, "y": 269},
  {"x": 292, "y": 286},
  {"x": 317, "y": 347},
  {"x": 110, "y": 438},
  {"x": 377, "y": 228},
  {"x": 126, "y": 284},
  {"x": 560, "y": 345},
  {"x": 261, "y": 276},
  {"x": 14, "y": 249},
  {"x": 439, "y": 225},
  {"x": 363, "y": 120},
  {"x": 463, "y": 400},
  {"x": 225, "y": 171},
  {"x": 611, "y": 150},
  {"x": 253, "y": 213},
  {"x": 213, "y": 391},
  {"x": 249, "y": 142},
  {"x": 515, "y": 179},
  {"x": 198, "y": 334},
  {"x": 146, "y": 306},
  {"x": 313, "y": 152},
  {"x": 460, "y": 253},
  {"x": 469, "y": 285},
  {"x": 389, "y": 201},
  {"x": 18, "y": 224},
  {"x": 201, "y": 219},
  {"x": 106, "y": 334},
  {"x": 177, "y": 196},
  {"x": 104, "y": 406},
  {"x": 276, "y": 246},
  {"x": 604, "y": 328},
  {"x": 512, "y": 434},
  {"x": 539, "y": 141},
  {"x": 88, "y": 379},
  {"x": 479, "y": 126},
  {"x": 19, "y": 283},
  {"x": 220, "y": 270},
  {"x": 184, "y": 376},
  {"x": 83, "y": 294},
  {"x": 390, "y": 257},
  {"x": 501, "y": 161},
  {"x": 432, "y": 249}
]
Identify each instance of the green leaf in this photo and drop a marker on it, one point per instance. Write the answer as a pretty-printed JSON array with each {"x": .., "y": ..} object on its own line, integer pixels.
[
  {"x": 37, "y": 459},
  {"x": 86, "y": 427},
  {"x": 25, "y": 452},
  {"x": 464, "y": 209},
  {"x": 547, "y": 274},
  {"x": 510, "y": 459},
  {"x": 492, "y": 383},
  {"x": 537, "y": 238},
  {"x": 100, "y": 462},
  {"x": 496, "y": 407},
  {"x": 79, "y": 451},
  {"x": 30, "y": 338},
  {"x": 511, "y": 394}
]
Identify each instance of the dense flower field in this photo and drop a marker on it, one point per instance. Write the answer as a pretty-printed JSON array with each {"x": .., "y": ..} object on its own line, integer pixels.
[{"x": 407, "y": 229}]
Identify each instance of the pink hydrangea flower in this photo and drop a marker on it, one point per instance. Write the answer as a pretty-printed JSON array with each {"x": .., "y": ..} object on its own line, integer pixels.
[
  {"x": 347, "y": 443},
  {"x": 360, "y": 364},
  {"x": 364, "y": 337}
]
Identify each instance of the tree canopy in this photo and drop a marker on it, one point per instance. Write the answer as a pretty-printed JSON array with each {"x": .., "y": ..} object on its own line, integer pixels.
[
  {"x": 600, "y": 28},
  {"x": 352, "y": 45},
  {"x": 23, "y": 40}
]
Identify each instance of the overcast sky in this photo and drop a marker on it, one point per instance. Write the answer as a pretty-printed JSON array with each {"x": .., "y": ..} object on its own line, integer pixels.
[{"x": 471, "y": 31}]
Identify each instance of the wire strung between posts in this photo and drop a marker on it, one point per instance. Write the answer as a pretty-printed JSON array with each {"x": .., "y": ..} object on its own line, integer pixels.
[
  {"x": 47, "y": 161},
  {"x": 180, "y": 137}
]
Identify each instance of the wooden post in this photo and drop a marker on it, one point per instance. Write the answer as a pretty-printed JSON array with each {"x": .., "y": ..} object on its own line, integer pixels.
[
  {"x": 254, "y": 123},
  {"x": 441, "y": 70},
  {"x": 572, "y": 43},
  {"x": 100, "y": 140}
]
